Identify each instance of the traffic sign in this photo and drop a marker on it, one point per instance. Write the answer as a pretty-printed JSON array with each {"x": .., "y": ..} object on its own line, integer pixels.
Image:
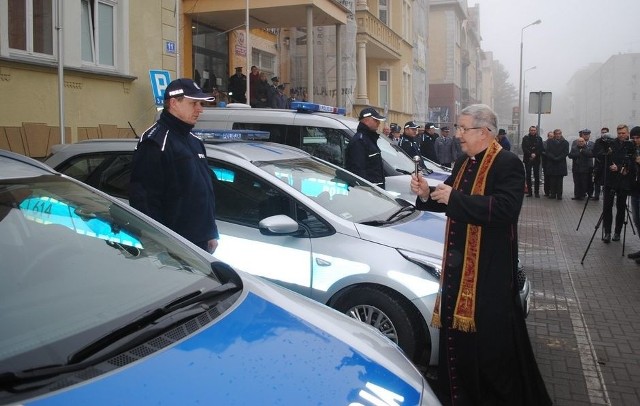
[{"x": 160, "y": 79}]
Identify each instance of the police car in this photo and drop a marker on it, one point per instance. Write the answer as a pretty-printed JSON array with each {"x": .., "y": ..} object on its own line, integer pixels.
[
  {"x": 101, "y": 305},
  {"x": 322, "y": 131}
]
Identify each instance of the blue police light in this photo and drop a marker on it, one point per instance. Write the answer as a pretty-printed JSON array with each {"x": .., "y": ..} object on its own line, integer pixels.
[
  {"x": 306, "y": 107},
  {"x": 248, "y": 135}
]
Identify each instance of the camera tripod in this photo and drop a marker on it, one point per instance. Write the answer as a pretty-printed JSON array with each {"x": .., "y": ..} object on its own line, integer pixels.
[{"x": 627, "y": 216}]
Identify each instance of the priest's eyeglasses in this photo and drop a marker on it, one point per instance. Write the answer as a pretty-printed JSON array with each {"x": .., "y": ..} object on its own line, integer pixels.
[{"x": 463, "y": 130}]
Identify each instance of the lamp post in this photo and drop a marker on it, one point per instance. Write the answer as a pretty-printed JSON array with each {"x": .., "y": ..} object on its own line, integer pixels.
[
  {"x": 524, "y": 87},
  {"x": 520, "y": 81}
]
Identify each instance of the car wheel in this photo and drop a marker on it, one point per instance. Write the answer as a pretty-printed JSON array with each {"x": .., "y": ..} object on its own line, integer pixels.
[{"x": 384, "y": 309}]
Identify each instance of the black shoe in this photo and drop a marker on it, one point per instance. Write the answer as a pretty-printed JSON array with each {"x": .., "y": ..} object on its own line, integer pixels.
[
  {"x": 577, "y": 198},
  {"x": 595, "y": 199},
  {"x": 634, "y": 255},
  {"x": 607, "y": 238},
  {"x": 537, "y": 195},
  {"x": 616, "y": 237},
  {"x": 551, "y": 196}
]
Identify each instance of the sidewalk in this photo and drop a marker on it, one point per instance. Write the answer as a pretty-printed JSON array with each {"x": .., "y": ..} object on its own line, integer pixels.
[{"x": 584, "y": 322}]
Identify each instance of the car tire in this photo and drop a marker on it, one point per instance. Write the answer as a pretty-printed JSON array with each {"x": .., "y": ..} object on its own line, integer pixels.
[{"x": 392, "y": 315}]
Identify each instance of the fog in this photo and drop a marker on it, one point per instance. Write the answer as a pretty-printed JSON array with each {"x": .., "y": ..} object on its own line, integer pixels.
[{"x": 572, "y": 35}]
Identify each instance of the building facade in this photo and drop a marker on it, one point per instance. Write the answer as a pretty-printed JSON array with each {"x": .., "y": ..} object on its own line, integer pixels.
[
  {"x": 455, "y": 59},
  {"x": 607, "y": 94},
  {"x": 87, "y": 63}
]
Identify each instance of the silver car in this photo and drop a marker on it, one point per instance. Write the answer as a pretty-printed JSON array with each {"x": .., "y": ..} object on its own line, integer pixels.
[{"x": 309, "y": 226}]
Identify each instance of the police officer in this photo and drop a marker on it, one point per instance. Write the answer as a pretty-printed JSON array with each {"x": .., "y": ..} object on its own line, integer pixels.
[
  {"x": 363, "y": 156},
  {"x": 428, "y": 142},
  {"x": 395, "y": 132},
  {"x": 409, "y": 141},
  {"x": 170, "y": 177}
]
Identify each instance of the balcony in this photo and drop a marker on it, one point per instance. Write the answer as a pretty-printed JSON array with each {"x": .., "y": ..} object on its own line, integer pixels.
[{"x": 382, "y": 42}]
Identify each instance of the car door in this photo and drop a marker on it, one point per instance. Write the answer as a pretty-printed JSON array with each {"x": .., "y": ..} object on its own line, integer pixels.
[{"x": 243, "y": 199}]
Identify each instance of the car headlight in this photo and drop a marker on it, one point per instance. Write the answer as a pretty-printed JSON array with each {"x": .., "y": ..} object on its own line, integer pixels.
[{"x": 430, "y": 264}]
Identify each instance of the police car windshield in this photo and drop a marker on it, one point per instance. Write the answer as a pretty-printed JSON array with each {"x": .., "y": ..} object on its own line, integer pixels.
[{"x": 333, "y": 188}]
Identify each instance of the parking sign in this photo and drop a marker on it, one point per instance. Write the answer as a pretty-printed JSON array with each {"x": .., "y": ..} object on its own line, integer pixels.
[{"x": 160, "y": 79}]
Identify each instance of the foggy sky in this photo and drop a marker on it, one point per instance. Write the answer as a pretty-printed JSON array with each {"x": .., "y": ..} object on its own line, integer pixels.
[{"x": 573, "y": 34}]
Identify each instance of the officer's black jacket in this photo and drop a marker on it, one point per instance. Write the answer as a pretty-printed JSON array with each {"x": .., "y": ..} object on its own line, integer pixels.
[
  {"x": 363, "y": 156},
  {"x": 171, "y": 180}
]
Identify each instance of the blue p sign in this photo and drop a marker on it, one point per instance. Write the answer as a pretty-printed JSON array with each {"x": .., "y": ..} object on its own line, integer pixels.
[{"x": 160, "y": 79}]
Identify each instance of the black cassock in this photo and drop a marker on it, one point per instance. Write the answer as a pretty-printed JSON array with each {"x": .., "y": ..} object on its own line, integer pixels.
[{"x": 495, "y": 364}]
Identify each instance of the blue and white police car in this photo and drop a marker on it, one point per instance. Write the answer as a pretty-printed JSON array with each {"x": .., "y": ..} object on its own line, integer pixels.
[{"x": 101, "y": 305}]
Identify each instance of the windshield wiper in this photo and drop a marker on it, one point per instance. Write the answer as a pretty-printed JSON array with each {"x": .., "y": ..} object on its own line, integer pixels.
[
  {"x": 393, "y": 218},
  {"x": 134, "y": 333},
  {"x": 406, "y": 209}
]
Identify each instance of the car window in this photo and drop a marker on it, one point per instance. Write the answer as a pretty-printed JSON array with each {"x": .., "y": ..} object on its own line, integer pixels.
[
  {"x": 109, "y": 172},
  {"x": 243, "y": 198},
  {"x": 333, "y": 188},
  {"x": 324, "y": 143}
]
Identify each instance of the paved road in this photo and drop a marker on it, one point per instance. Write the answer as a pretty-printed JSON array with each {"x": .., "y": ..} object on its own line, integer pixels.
[{"x": 584, "y": 321}]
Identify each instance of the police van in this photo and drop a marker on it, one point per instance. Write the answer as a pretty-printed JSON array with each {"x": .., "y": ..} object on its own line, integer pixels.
[{"x": 323, "y": 131}]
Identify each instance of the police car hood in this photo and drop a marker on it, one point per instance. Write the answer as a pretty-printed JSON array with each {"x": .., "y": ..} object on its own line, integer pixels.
[
  {"x": 420, "y": 232},
  {"x": 268, "y": 348}
]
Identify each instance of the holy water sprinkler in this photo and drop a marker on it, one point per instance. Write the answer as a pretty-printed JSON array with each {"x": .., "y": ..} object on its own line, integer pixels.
[{"x": 416, "y": 161}]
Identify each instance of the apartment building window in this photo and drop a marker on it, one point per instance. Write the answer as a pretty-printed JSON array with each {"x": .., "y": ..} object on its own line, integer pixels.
[
  {"x": 407, "y": 91},
  {"x": 30, "y": 26},
  {"x": 407, "y": 20},
  {"x": 265, "y": 61},
  {"x": 383, "y": 87},
  {"x": 97, "y": 22},
  {"x": 383, "y": 11}
]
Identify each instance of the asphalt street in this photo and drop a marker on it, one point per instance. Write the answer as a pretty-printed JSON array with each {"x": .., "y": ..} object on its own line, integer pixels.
[{"x": 584, "y": 321}]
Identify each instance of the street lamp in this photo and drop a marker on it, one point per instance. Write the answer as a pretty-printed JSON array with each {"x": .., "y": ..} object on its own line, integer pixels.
[
  {"x": 524, "y": 87},
  {"x": 520, "y": 81}
]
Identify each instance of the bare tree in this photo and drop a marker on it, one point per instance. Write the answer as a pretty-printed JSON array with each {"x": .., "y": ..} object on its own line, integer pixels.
[{"x": 505, "y": 93}]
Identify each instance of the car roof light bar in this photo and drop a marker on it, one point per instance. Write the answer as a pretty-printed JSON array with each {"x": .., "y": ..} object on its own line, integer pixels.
[
  {"x": 206, "y": 134},
  {"x": 307, "y": 107}
]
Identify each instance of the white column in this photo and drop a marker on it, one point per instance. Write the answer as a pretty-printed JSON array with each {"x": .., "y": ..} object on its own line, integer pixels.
[
  {"x": 361, "y": 94},
  {"x": 339, "y": 78},
  {"x": 310, "y": 38}
]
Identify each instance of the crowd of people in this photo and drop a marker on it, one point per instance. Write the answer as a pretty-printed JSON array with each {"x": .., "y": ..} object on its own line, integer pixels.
[{"x": 608, "y": 166}]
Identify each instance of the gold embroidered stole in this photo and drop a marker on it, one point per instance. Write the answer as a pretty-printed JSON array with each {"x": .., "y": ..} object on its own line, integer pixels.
[{"x": 464, "y": 313}]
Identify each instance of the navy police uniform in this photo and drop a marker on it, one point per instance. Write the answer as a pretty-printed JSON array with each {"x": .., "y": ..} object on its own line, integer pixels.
[
  {"x": 171, "y": 180},
  {"x": 363, "y": 156}
]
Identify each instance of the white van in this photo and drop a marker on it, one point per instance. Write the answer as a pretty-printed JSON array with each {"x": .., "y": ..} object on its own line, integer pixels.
[{"x": 321, "y": 131}]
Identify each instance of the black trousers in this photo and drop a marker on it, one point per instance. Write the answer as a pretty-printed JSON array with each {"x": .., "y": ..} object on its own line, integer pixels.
[
  {"x": 620, "y": 196},
  {"x": 581, "y": 185},
  {"x": 555, "y": 185},
  {"x": 535, "y": 168}
]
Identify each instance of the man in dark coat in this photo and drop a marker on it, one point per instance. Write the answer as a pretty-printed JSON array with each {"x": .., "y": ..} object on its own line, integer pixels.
[
  {"x": 363, "y": 156},
  {"x": 170, "y": 177},
  {"x": 532, "y": 150},
  {"x": 555, "y": 154},
  {"x": 581, "y": 168},
  {"x": 616, "y": 156},
  {"x": 238, "y": 87},
  {"x": 485, "y": 353}
]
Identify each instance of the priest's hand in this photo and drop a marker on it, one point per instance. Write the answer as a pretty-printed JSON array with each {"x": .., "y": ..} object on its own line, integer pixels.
[
  {"x": 442, "y": 193},
  {"x": 420, "y": 186}
]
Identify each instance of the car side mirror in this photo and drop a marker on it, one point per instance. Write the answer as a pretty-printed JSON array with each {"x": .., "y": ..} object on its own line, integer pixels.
[{"x": 278, "y": 225}]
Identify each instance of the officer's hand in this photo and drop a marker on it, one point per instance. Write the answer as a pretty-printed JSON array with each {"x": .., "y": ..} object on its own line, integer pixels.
[{"x": 211, "y": 246}]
